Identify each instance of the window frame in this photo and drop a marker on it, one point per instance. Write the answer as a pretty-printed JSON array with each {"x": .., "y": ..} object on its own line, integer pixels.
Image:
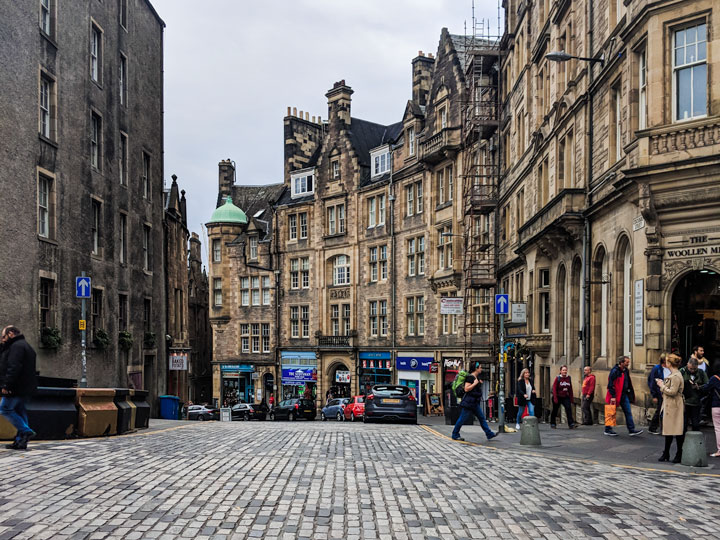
[
  {"x": 96, "y": 53},
  {"x": 302, "y": 183},
  {"x": 95, "y": 141},
  {"x": 123, "y": 159},
  {"x": 675, "y": 69},
  {"x": 217, "y": 292}
]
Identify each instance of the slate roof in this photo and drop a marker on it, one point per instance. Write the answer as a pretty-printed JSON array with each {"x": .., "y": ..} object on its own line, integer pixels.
[
  {"x": 286, "y": 198},
  {"x": 365, "y": 136}
]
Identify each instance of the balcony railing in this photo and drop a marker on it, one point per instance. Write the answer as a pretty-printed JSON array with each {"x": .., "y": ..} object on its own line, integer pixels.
[
  {"x": 481, "y": 199},
  {"x": 435, "y": 148},
  {"x": 560, "y": 213},
  {"x": 334, "y": 341}
]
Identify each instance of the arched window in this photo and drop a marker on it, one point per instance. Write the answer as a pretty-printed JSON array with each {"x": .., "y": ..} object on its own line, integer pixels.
[
  {"x": 599, "y": 303},
  {"x": 561, "y": 313},
  {"x": 623, "y": 298},
  {"x": 576, "y": 302},
  {"x": 341, "y": 270}
]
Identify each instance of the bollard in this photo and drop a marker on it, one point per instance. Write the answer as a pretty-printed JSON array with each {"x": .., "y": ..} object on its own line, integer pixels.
[
  {"x": 694, "y": 453},
  {"x": 97, "y": 413},
  {"x": 126, "y": 411},
  {"x": 52, "y": 412},
  {"x": 530, "y": 432},
  {"x": 142, "y": 408}
]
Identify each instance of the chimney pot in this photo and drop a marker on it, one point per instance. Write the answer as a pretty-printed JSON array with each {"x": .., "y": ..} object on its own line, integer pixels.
[
  {"x": 294, "y": 111},
  {"x": 420, "y": 53},
  {"x": 307, "y": 116},
  {"x": 288, "y": 111}
]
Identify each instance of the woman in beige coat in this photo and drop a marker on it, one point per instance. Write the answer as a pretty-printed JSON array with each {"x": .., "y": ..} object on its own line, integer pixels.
[{"x": 673, "y": 408}]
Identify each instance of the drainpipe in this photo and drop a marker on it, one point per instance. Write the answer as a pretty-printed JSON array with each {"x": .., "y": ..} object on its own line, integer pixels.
[
  {"x": 587, "y": 235},
  {"x": 391, "y": 262}
]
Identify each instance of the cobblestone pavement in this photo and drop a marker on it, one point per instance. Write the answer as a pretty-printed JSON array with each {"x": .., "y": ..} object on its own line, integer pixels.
[{"x": 335, "y": 480}]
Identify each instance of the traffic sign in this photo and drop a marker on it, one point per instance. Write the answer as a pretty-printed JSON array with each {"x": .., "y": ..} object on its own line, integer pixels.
[
  {"x": 83, "y": 287},
  {"x": 81, "y": 324},
  {"x": 501, "y": 304}
]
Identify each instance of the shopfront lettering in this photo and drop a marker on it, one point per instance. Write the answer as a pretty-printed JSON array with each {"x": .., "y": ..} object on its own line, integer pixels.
[{"x": 699, "y": 251}]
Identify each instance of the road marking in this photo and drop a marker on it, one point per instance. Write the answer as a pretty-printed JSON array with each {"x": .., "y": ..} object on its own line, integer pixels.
[{"x": 567, "y": 458}]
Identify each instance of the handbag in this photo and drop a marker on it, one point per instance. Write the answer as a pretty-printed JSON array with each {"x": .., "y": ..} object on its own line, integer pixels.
[
  {"x": 610, "y": 415},
  {"x": 525, "y": 412},
  {"x": 515, "y": 401}
]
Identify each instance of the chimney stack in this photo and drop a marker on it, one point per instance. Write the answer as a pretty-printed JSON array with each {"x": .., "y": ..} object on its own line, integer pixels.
[
  {"x": 339, "y": 104},
  {"x": 226, "y": 178},
  {"x": 422, "y": 67}
]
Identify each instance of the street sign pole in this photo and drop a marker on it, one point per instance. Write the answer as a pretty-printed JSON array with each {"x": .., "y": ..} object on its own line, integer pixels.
[
  {"x": 83, "y": 378},
  {"x": 501, "y": 393}
]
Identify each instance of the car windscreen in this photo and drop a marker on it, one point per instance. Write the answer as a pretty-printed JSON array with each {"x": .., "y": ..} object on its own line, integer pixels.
[{"x": 390, "y": 390}]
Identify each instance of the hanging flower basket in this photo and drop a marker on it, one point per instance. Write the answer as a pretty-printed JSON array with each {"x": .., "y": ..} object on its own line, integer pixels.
[
  {"x": 50, "y": 337},
  {"x": 125, "y": 340},
  {"x": 101, "y": 339}
]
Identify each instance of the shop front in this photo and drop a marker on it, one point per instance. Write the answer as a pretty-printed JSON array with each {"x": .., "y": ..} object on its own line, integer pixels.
[
  {"x": 340, "y": 380},
  {"x": 418, "y": 373},
  {"x": 237, "y": 384},
  {"x": 375, "y": 368},
  {"x": 299, "y": 374}
]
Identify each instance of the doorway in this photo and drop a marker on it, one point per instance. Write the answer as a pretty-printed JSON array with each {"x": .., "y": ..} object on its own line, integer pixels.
[{"x": 695, "y": 316}]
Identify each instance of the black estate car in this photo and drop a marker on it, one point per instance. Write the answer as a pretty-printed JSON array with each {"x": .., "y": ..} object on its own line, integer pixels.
[{"x": 292, "y": 409}]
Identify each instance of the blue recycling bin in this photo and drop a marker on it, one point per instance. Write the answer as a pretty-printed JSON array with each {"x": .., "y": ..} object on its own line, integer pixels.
[{"x": 169, "y": 407}]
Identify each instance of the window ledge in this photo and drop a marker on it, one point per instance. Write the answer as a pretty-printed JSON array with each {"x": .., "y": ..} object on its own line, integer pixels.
[
  {"x": 48, "y": 240},
  {"x": 47, "y": 140},
  {"x": 48, "y": 38},
  {"x": 149, "y": 273},
  {"x": 96, "y": 83},
  {"x": 442, "y": 206},
  {"x": 336, "y": 235}
]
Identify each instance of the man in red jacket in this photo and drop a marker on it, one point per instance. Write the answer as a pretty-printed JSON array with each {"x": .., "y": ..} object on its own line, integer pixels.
[{"x": 588, "y": 392}]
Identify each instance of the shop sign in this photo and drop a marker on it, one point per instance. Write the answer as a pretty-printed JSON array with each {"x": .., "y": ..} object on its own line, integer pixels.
[
  {"x": 414, "y": 363},
  {"x": 178, "y": 362},
  {"x": 694, "y": 246},
  {"x": 298, "y": 374},
  {"x": 342, "y": 377},
  {"x": 237, "y": 367},
  {"x": 375, "y": 355},
  {"x": 454, "y": 364},
  {"x": 434, "y": 367},
  {"x": 451, "y": 305},
  {"x": 639, "y": 306}
]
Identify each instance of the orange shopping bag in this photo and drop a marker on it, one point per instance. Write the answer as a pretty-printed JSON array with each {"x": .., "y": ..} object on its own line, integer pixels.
[{"x": 610, "y": 415}]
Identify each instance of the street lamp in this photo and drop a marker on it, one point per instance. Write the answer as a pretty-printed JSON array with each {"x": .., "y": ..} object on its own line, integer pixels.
[{"x": 562, "y": 56}]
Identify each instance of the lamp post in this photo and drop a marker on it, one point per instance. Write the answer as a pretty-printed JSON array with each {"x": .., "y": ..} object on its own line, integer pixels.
[{"x": 562, "y": 56}]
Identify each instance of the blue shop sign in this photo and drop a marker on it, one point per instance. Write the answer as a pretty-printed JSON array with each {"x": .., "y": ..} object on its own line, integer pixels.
[
  {"x": 374, "y": 356},
  {"x": 237, "y": 367},
  {"x": 298, "y": 374},
  {"x": 414, "y": 363}
]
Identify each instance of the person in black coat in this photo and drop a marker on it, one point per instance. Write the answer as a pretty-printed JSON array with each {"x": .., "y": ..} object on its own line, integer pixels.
[
  {"x": 524, "y": 392},
  {"x": 17, "y": 383}
]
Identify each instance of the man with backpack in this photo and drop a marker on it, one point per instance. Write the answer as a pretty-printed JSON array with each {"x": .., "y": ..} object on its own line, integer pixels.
[{"x": 471, "y": 403}]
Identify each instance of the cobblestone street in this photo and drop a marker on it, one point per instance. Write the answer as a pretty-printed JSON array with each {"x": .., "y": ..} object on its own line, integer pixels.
[{"x": 334, "y": 480}]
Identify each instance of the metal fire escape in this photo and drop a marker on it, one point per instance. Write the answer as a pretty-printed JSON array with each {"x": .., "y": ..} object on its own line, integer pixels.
[{"x": 480, "y": 177}]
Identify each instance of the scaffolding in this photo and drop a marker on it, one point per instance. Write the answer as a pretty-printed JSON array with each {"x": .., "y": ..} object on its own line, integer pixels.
[{"x": 481, "y": 177}]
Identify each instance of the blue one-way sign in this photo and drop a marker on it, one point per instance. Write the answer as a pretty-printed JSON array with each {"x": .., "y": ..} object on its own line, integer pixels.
[
  {"x": 82, "y": 287},
  {"x": 502, "y": 304}
]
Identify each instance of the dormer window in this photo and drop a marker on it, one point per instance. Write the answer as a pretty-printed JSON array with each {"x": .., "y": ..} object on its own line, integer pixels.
[
  {"x": 380, "y": 159},
  {"x": 253, "y": 247},
  {"x": 335, "y": 169},
  {"x": 302, "y": 182},
  {"x": 411, "y": 141},
  {"x": 443, "y": 118}
]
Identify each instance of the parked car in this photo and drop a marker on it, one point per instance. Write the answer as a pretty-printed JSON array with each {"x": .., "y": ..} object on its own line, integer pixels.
[
  {"x": 249, "y": 411},
  {"x": 292, "y": 409},
  {"x": 390, "y": 402},
  {"x": 355, "y": 409},
  {"x": 203, "y": 412},
  {"x": 334, "y": 409}
]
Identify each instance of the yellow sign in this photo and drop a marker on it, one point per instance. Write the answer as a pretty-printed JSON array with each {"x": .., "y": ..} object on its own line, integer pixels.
[
  {"x": 81, "y": 324},
  {"x": 504, "y": 357}
]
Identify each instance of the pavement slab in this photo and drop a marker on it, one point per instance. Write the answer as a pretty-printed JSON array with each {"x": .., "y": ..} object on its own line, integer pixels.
[{"x": 340, "y": 480}]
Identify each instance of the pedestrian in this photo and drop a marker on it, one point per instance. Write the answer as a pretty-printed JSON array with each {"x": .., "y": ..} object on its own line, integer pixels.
[
  {"x": 672, "y": 408},
  {"x": 524, "y": 393},
  {"x": 471, "y": 403},
  {"x": 17, "y": 383},
  {"x": 693, "y": 379},
  {"x": 272, "y": 400},
  {"x": 562, "y": 393},
  {"x": 699, "y": 355},
  {"x": 713, "y": 387},
  {"x": 588, "y": 394},
  {"x": 657, "y": 372},
  {"x": 620, "y": 392}
]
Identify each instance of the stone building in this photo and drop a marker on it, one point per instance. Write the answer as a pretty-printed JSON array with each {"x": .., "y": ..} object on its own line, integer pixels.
[
  {"x": 200, "y": 363},
  {"x": 610, "y": 199},
  {"x": 243, "y": 290},
  {"x": 81, "y": 119},
  {"x": 364, "y": 248},
  {"x": 177, "y": 279}
]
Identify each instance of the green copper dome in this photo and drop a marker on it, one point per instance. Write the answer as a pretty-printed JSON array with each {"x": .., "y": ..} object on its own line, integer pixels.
[{"x": 228, "y": 213}]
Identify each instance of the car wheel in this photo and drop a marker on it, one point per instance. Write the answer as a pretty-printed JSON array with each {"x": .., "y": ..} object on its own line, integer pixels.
[
  {"x": 202, "y": 418},
  {"x": 352, "y": 416},
  {"x": 323, "y": 417},
  {"x": 340, "y": 417},
  {"x": 366, "y": 420},
  {"x": 291, "y": 417},
  {"x": 246, "y": 417}
]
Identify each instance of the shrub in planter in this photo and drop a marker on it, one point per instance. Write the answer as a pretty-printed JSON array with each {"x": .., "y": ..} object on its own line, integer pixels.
[
  {"x": 125, "y": 340},
  {"x": 149, "y": 340},
  {"x": 101, "y": 339},
  {"x": 50, "y": 337}
]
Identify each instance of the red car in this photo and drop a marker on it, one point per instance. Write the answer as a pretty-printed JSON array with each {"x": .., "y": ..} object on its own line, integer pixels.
[{"x": 355, "y": 409}]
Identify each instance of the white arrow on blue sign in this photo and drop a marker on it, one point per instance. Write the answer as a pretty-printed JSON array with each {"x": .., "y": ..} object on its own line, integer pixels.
[
  {"x": 82, "y": 287},
  {"x": 502, "y": 304}
]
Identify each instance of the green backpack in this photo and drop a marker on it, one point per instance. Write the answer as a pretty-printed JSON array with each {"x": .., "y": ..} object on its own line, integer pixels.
[{"x": 458, "y": 385}]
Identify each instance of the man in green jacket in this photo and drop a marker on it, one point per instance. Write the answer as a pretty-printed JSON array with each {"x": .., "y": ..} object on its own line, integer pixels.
[{"x": 694, "y": 378}]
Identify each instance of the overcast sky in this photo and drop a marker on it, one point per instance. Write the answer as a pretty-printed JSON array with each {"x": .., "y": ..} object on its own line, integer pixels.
[{"x": 232, "y": 67}]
